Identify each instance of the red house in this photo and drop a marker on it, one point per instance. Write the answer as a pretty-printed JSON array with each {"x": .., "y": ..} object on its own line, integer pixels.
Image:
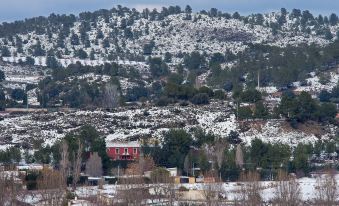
[{"x": 123, "y": 150}]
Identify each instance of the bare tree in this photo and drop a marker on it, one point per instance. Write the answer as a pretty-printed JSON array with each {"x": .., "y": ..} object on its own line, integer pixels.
[
  {"x": 287, "y": 191},
  {"x": 211, "y": 193},
  {"x": 94, "y": 165},
  {"x": 326, "y": 188},
  {"x": 51, "y": 187},
  {"x": 111, "y": 96},
  {"x": 10, "y": 190},
  {"x": 132, "y": 189},
  {"x": 239, "y": 156},
  {"x": 219, "y": 151},
  {"x": 64, "y": 162},
  {"x": 77, "y": 165},
  {"x": 146, "y": 163},
  {"x": 250, "y": 191}
]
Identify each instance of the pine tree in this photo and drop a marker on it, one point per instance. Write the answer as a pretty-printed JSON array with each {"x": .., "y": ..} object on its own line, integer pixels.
[{"x": 5, "y": 52}]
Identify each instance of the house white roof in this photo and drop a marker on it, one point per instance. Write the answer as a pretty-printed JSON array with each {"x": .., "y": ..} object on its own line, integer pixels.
[{"x": 123, "y": 144}]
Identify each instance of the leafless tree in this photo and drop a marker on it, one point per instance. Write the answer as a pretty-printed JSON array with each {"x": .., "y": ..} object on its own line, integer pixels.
[
  {"x": 287, "y": 191},
  {"x": 111, "y": 96},
  {"x": 250, "y": 191},
  {"x": 77, "y": 165},
  {"x": 132, "y": 189},
  {"x": 211, "y": 193},
  {"x": 64, "y": 162},
  {"x": 51, "y": 187},
  {"x": 239, "y": 156},
  {"x": 219, "y": 151},
  {"x": 146, "y": 163},
  {"x": 326, "y": 190},
  {"x": 94, "y": 165},
  {"x": 10, "y": 190},
  {"x": 162, "y": 186}
]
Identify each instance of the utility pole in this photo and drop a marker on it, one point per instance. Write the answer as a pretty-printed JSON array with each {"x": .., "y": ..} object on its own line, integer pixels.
[
  {"x": 118, "y": 172},
  {"x": 258, "y": 80},
  {"x": 26, "y": 97}
]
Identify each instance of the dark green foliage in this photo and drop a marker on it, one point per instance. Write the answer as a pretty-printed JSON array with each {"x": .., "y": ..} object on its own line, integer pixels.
[
  {"x": 333, "y": 19},
  {"x": 233, "y": 137},
  {"x": 2, "y": 95},
  {"x": 250, "y": 96},
  {"x": 229, "y": 170},
  {"x": 302, "y": 108},
  {"x": 201, "y": 137},
  {"x": 81, "y": 54},
  {"x": 135, "y": 93},
  {"x": 2, "y": 76},
  {"x": 10, "y": 155},
  {"x": 92, "y": 142},
  {"x": 168, "y": 57},
  {"x": 324, "y": 96},
  {"x": 30, "y": 61},
  {"x": 228, "y": 86},
  {"x": 201, "y": 98},
  {"x": 326, "y": 112},
  {"x": 5, "y": 52},
  {"x": 52, "y": 62},
  {"x": 219, "y": 94},
  {"x": 175, "y": 78},
  {"x": 105, "y": 43},
  {"x": 158, "y": 67},
  {"x": 217, "y": 58},
  {"x": 194, "y": 61},
  {"x": 59, "y": 87},
  {"x": 176, "y": 146},
  {"x": 244, "y": 113},
  {"x": 75, "y": 39},
  {"x": 38, "y": 50},
  {"x": 261, "y": 110},
  {"x": 300, "y": 162},
  {"x": 269, "y": 155},
  {"x": 184, "y": 92},
  {"x": 18, "y": 94},
  {"x": 148, "y": 48}
]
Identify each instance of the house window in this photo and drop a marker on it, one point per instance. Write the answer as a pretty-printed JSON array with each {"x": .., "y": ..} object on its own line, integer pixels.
[
  {"x": 135, "y": 150},
  {"x": 126, "y": 150},
  {"x": 117, "y": 151}
]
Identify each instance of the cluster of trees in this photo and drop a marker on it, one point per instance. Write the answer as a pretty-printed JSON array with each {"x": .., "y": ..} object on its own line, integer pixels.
[
  {"x": 63, "y": 86},
  {"x": 302, "y": 108},
  {"x": 10, "y": 155},
  {"x": 276, "y": 66},
  {"x": 296, "y": 108},
  {"x": 186, "y": 92},
  {"x": 227, "y": 158},
  {"x": 329, "y": 96},
  {"x": 256, "y": 107},
  {"x": 84, "y": 144},
  {"x": 18, "y": 97}
]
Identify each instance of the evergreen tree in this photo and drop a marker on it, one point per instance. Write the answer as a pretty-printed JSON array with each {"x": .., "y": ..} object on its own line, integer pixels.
[
  {"x": 52, "y": 62},
  {"x": 2, "y": 76},
  {"x": 5, "y": 52},
  {"x": 188, "y": 9},
  {"x": 38, "y": 50},
  {"x": 75, "y": 39},
  {"x": 333, "y": 19}
]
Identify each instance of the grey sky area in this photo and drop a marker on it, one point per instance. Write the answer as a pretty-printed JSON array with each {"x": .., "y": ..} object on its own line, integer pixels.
[{"x": 11, "y": 10}]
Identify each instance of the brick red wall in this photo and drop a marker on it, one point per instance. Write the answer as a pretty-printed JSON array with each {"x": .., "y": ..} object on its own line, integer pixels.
[{"x": 111, "y": 153}]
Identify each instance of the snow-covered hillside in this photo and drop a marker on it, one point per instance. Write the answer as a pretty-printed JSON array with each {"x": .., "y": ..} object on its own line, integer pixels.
[
  {"x": 123, "y": 35},
  {"x": 148, "y": 122}
]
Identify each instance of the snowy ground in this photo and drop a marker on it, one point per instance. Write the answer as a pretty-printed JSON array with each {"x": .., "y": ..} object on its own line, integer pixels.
[
  {"x": 230, "y": 190},
  {"x": 131, "y": 123}
]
